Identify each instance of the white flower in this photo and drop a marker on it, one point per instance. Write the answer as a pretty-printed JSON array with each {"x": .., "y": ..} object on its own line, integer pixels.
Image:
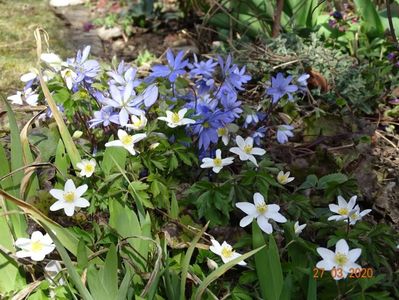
[
  {"x": 298, "y": 228},
  {"x": 16, "y": 99},
  {"x": 284, "y": 178},
  {"x": 224, "y": 133},
  {"x": 137, "y": 123},
  {"x": 343, "y": 260},
  {"x": 69, "y": 76},
  {"x": 357, "y": 215},
  {"x": 28, "y": 76},
  {"x": 69, "y": 198},
  {"x": 37, "y": 247},
  {"x": 28, "y": 96},
  {"x": 126, "y": 141},
  {"x": 176, "y": 119},
  {"x": 87, "y": 167},
  {"x": 216, "y": 163},
  {"x": 347, "y": 210},
  {"x": 225, "y": 251},
  {"x": 245, "y": 149},
  {"x": 52, "y": 269},
  {"x": 262, "y": 212},
  {"x": 53, "y": 60}
]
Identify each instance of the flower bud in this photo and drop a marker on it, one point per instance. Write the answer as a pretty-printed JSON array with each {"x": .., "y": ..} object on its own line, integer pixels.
[{"x": 212, "y": 265}]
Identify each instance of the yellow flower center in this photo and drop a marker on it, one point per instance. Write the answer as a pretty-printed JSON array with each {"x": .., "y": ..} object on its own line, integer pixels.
[
  {"x": 227, "y": 252},
  {"x": 89, "y": 168},
  {"x": 69, "y": 197},
  {"x": 247, "y": 149},
  {"x": 282, "y": 179},
  {"x": 127, "y": 140},
  {"x": 217, "y": 162},
  {"x": 341, "y": 259},
  {"x": 261, "y": 208},
  {"x": 354, "y": 216},
  {"x": 36, "y": 246},
  {"x": 138, "y": 123},
  {"x": 175, "y": 118},
  {"x": 222, "y": 131},
  {"x": 343, "y": 211}
]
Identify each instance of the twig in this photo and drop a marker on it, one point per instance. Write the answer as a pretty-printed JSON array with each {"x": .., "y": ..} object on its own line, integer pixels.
[
  {"x": 391, "y": 27},
  {"x": 277, "y": 18}
]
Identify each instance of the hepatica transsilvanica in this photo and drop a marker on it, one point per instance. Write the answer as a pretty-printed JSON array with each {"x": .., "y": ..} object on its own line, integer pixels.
[{"x": 208, "y": 91}]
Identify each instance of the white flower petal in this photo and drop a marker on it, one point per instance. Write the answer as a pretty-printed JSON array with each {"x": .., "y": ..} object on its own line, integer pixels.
[
  {"x": 246, "y": 221},
  {"x": 327, "y": 265},
  {"x": 247, "y": 207},
  {"x": 259, "y": 199},
  {"x": 57, "y": 205},
  {"x": 81, "y": 190},
  {"x": 69, "y": 186},
  {"x": 81, "y": 202},
  {"x": 325, "y": 253},
  {"x": 69, "y": 210},
  {"x": 342, "y": 247},
  {"x": 264, "y": 225},
  {"x": 354, "y": 254}
]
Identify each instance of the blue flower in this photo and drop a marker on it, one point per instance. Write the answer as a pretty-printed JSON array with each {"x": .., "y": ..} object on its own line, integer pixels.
[
  {"x": 206, "y": 129},
  {"x": 105, "y": 116},
  {"x": 280, "y": 87},
  {"x": 128, "y": 102},
  {"x": 258, "y": 135},
  {"x": 122, "y": 76},
  {"x": 173, "y": 70},
  {"x": 204, "y": 85},
  {"x": 303, "y": 82},
  {"x": 202, "y": 68},
  {"x": 232, "y": 75},
  {"x": 284, "y": 132},
  {"x": 254, "y": 118},
  {"x": 85, "y": 69}
]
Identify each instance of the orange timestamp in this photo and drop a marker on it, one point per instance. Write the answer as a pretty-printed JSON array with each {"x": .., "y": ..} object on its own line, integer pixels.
[{"x": 354, "y": 273}]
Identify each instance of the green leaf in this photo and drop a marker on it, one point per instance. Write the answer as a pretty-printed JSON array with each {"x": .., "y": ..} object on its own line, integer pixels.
[
  {"x": 261, "y": 261},
  {"x": 110, "y": 154},
  {"x": 61, "y": 162},
  {"x": 82, "y": 255},
  {"x": 312, "y": 286},
  {"x": 371, "y": 19},
  {"x": 124, "y": 287},
  {"x": 268, "y": 266},
  {"x": 174, "y": 206},
  {"x": 109, "y": 274},
  {"x": 18, "y": 221}
]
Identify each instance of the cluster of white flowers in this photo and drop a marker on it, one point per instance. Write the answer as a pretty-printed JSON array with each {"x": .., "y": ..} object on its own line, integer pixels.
[{"x": 342, "y": 261}]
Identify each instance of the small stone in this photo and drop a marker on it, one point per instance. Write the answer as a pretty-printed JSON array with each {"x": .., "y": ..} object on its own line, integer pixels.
[
  {"x": 109, "y": 33},
  {"x": 118, "y": 46}
]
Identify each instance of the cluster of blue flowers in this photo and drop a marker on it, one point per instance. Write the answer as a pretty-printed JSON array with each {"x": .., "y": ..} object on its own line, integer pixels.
[
  {"x": 210, "y": 93},
  {"x": 212, "y": 96}
]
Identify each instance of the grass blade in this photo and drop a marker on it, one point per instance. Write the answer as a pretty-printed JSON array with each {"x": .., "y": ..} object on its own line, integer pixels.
[
  {"x": 220, "y": 271},
  {"x": 186, "y": 261},
  {"x": 70, "y": 147}
]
